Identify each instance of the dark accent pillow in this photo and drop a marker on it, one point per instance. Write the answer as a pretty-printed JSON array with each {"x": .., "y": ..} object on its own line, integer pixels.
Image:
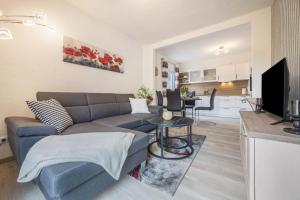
[{"x": 52, "y": 113}]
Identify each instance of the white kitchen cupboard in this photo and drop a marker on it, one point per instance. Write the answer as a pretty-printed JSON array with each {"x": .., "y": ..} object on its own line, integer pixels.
[
  {"x": 209, "y": 75},
  {"x": 242, "y": 71},
  {"x": 195, "y": 76},
  {"x": 270, "y": 158},
  {"x": 225, "y": 106},
  {"x": 226, "y": 73}
]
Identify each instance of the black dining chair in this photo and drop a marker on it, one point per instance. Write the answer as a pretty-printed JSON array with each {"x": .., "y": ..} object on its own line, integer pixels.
[
  {"x": 210, "y": 107},
  {"x": 160, "y": 98},
  {"x": 190, "y": 104},
  {"x": 174, "y": 101}
]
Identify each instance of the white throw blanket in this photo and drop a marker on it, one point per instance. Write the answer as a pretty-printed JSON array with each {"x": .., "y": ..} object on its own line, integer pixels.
[{"x": 109, "y": 150}]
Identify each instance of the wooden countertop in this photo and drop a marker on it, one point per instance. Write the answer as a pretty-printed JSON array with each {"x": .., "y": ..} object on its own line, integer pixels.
[{"x": 258, "y": 126}]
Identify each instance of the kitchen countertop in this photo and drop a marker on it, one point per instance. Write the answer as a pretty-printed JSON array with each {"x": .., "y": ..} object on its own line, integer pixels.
[{"x": 258, "y": 126}]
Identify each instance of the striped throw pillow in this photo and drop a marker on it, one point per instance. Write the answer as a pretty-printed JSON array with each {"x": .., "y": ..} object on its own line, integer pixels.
[{"x": 52, "y": 113}]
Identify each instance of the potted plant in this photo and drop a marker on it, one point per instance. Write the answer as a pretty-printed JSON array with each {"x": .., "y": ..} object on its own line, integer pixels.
[
  {"x": 145, "y": 93},
  {"x": 184, "y": 91}
]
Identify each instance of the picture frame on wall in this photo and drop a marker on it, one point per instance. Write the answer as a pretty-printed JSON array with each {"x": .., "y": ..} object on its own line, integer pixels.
[{"x": 77, "y": 52}]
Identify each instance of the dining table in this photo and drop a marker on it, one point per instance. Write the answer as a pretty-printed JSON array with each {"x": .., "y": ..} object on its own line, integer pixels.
[{"x": 186, "y": 98}]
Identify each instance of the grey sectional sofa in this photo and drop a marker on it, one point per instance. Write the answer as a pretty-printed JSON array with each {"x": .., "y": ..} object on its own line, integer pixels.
[{"x": 91, "y": 112}]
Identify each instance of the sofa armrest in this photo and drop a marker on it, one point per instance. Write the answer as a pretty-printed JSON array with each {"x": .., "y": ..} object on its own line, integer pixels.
[
  {"x": 26, "y": 127},
  {"x": 156, "y": 110}
]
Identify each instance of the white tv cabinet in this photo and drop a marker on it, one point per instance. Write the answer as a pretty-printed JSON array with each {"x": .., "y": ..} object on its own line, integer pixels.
[{"x": 271, "y": 158}]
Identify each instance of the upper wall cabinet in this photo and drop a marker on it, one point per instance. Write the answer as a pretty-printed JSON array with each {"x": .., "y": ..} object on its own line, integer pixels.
[
  {"x": 203, "y": 75},
  {"x": 226, "y": 73},
  {"x": 236, "y": 72},
  {"x": 209, "y": 75},
  {"x": 242, "y": 71},
  {"x": 195, "y": 76}
]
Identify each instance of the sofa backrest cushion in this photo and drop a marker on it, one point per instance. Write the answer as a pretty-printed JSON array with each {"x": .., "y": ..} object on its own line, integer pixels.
[
  {"x": 124, "y": 104},
  {"x": 75, "y": 103},
  {"x": 85, "y": 107},
  {"x": 102, "y": 105}
]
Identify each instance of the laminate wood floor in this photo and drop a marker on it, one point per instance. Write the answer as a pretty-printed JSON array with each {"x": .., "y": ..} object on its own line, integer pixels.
[{"x": 215, "y": 174}]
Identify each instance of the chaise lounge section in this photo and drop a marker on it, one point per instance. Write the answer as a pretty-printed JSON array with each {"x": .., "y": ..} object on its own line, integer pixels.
[{"x": 91, "y": 112}]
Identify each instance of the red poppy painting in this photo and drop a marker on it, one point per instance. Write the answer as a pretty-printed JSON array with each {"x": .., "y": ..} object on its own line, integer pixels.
[{"x": 77, "y": 52}]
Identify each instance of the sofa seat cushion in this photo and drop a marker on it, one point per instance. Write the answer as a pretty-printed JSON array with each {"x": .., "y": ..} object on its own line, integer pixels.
[
  {"x": 128, "y": 121},
  {"x": 140, "y": 140},
  {"x": 61, "y": 178}
]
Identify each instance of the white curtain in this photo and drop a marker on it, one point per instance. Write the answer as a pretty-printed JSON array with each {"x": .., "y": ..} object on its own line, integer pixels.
[{"x": 171, "y": 77}]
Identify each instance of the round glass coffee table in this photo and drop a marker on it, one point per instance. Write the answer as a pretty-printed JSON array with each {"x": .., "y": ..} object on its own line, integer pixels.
[{"x": 170, "y": 144}]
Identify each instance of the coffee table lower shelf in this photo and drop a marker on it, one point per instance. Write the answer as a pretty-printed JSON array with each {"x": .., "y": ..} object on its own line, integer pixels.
[{"x": 168, "y": 147}]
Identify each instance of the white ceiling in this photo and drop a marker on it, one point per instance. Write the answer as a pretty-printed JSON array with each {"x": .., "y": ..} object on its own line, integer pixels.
[
  {"x": 237, "y": 40},
  {"x": 149, "y": 21}
]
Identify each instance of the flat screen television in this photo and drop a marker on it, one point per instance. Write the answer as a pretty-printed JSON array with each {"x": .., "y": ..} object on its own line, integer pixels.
[{"x": 275, "y": 89}]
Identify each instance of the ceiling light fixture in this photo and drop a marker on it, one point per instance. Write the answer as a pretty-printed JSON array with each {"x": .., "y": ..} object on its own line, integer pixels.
[
  {"x": 5, "y": 34},
  {"x": 28, "y": 22},
  {"x": 221, "y": 51},
  {"x": 39, "y": 19}
]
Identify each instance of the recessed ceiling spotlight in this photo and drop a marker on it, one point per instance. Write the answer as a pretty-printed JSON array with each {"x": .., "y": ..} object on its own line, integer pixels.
[
  {"x": 5, "y": 34},
  {"x": 221, "y": 50}
]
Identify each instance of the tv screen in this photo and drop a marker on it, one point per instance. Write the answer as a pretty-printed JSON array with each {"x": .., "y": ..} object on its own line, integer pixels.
[{"x": 275, "y": 89}]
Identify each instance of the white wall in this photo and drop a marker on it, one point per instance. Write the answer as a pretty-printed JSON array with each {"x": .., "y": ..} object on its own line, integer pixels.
[
  {"x": 218, "y": 61},
  {"x": 260, "y": 45},
  {"x": 260, "y": 48},
  {"x": 32, "y": 61}
]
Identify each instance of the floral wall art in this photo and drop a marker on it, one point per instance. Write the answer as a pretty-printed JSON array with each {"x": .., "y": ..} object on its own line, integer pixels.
[{"x": 84, "y": 54}]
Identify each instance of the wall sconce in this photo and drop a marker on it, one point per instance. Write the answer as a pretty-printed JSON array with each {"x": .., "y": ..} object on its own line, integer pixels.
[{"x": 38, "y": 19}]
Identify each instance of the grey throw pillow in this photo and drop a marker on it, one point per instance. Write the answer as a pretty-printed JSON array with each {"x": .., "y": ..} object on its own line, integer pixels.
[{"x": 52, "y": 113}]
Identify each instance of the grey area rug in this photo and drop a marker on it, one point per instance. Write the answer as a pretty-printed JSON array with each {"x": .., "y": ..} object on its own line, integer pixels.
[{"x": 166, "y": 175}]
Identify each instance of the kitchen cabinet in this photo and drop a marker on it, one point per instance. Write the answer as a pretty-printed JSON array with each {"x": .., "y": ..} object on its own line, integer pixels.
[
  {"x": 225, "y": 106},
  {"x": 242, "y": 71},
  {"x": 226, "y": 73},
  {"x": 195, "y": 76},
  {"x": 209, "y": 75}
]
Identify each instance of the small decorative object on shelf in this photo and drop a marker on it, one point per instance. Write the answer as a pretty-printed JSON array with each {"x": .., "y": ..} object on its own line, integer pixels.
[
  {"x": 295, "y": 115},
  {"x": 164, "y": 74},
  {"x": 145, "y": 93},
  {"x": 165, "y": 64},
  {"x": 164, "y": 84},
  {"x": 184, "y": 91},
  {"x": 167, "y": 115},
  {"x": 258, "y": 106}
]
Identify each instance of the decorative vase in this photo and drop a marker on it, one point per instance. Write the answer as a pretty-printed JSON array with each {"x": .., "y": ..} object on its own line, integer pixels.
[{"x": 167, "y": 115}]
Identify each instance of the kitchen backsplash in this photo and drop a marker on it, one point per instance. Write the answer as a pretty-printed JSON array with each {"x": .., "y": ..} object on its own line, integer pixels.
[{"x": 223, "y": 89}]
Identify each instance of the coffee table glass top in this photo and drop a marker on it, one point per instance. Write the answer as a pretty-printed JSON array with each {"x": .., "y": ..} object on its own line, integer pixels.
[{"x": 176, "y": 121}]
